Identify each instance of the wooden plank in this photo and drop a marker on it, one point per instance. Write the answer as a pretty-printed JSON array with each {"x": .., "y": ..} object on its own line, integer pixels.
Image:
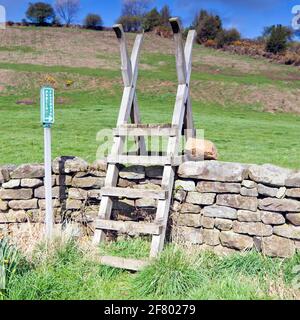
[
  {"x": 123, "y": 263},
  {"x": 129, "y": 227},
  {"x": 128, "y": 74},
  {"x": 132, "y": 193},
  {"x": 145, "y": 160},
  {"x": 146, "y": 131},
  {"x": 180, "y": 57},
  {"x": 162, "y": 213}
]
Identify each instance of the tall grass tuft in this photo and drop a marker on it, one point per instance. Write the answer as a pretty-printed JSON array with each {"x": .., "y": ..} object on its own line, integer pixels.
[
  {"x": 171, "y": 276},
  {"x": 9, "y": 261}
]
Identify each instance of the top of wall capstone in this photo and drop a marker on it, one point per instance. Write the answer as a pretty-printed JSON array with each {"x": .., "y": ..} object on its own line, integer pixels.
[{"x": 267, "y": 174}]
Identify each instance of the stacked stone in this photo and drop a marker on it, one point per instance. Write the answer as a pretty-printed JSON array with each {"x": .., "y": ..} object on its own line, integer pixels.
[
  {"x": 74, "y": 183},
  {"x": 231, "y": 206}
]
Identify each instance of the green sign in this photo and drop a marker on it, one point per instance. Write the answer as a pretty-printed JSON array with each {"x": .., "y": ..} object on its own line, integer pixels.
[{"x": 47, "y": 106}]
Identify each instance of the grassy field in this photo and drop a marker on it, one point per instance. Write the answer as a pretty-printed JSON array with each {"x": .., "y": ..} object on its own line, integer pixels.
[
  {"x": 248, "y": 107},
  {"x": 68, "y": 271}
]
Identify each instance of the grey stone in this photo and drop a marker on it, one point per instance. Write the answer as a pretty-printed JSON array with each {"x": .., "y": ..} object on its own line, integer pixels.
[
  {"x": 79, "y": 194},
  {"x": 63, "y": 180},
  {"x": 269, "y": 174},
  {"x": 218, "y": 187},
  {"x": 237, "y": 201},
  {"x": 211, "y": 237},
  {"x": 201, "y": 198},
  {"x": 248, "y": 216},
  {"x": 252, "y": 228},
  {"x": 236, "y": 241},
  {"x": 287, "y": 231},
  {"x": 293, "y": 180},
  {"x": 219, "y": 212},
  {"x": 188, "y": 235},
  {"x": 23, "y": 204},
  {"x": 98, "y": 165},
  {"x": 190, "y": 208},
  {"x": 94, "y": 194},
  {"x": 213, "y": 171},
  {"x": 223, "y": 251},
  {"x": 154, "y": 172},
  {"x": 176, "y": 206},
  {"x": 281, "y": 193},
  {"x": 28, "y": 171},
  {"x": 187, "y": 185},
  {"x": 5, "y": 172},
  {"x": 223, "y": 224},
  {"x": 31, "y": 183},
  {"x": 180, "y": 195},
  {"x": 40, "y": 192},
  {"x": 125, "y": 205},
  {"x": 293, "y": 193},
  {"x": 55, "y": 204},
  {"x": 133, "y": 173},
  {"x": 279, "y": 205},
  {"x": 88, "y": 182},
  {"x": 73, "y": 204},
  {"x": 189, "y": 220},
  {"x": 272, "y": 218},
  {"x": 3, "y": 205},
  {"x": 124, "y": 183},
  {"x": 15, "y": 194},
  {"x": 267, "y": 191},
  {"x": 207, "y": 222},
  {"x": 11, "y": 184},
  {"x": 249, "y": 192},
  {"x": 14, "y": 216},
  {"x": 294, "y": 218},
  {"x": 249, "y": 184},
  {"x": 278, "y": 247},
  {"x": 145, "y": 203},
  {"x": 69, "y": 165}
]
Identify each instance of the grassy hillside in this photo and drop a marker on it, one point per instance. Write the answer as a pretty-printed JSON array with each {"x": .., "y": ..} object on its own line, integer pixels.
[{"x": 249, "y": 108}]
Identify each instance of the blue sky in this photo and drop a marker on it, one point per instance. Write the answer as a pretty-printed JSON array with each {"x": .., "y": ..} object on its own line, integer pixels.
[{"x": 249, "y": 16}]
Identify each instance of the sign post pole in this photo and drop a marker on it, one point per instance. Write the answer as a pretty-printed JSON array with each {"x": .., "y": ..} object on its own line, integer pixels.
[{"x": 47, "y": 119}]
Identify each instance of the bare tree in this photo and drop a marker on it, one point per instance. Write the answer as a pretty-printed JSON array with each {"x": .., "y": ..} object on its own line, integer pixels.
[
  {"x": 67, "y": 10},
  {"x": 135, "y": 7}
]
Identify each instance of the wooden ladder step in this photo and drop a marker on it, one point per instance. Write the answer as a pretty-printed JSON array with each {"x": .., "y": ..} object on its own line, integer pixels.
[
  {"x": 132, "y": 193},
  {"x": 145, "y": 160},
  {"x": 123, "y": 263},
  {"x": 130, "y": 226},
  {"x": 140, "y": 130}
]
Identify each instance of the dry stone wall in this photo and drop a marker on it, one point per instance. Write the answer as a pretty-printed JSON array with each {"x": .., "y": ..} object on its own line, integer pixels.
[{"x": 224, "y": 207}]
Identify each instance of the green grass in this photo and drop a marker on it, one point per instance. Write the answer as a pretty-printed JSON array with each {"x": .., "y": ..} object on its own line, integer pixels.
[
  {"x": 22, "y": 49},
  {"x": 68, "y": 272},
  {"x": 240, "y": 134},
  {"x": 241, "y": 131}
]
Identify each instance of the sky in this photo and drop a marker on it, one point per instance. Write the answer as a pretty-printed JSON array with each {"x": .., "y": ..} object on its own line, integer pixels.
[{"x": 249, "y": 16}]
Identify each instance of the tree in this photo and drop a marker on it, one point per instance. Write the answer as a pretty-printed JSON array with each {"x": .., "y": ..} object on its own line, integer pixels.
[
  {"x": 151, "y": 20},
  {"x": 225, "y": 37},
  {"x": 67, "y": 10},
  {"x": 278, "y": 38},
  {"x": 93, "y": 21},
  {"x": 207, "y": 25},
  {"x": 165, "y": 14},
  {"x": 40, "y": 13},
  {"x": 133, "y": 12}
]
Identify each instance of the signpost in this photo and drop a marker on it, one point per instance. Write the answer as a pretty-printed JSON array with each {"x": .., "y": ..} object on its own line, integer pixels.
[{"x": 47, "y": 119}]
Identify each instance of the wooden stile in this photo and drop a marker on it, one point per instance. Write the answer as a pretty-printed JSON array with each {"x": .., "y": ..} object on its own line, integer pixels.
[{"x": 182, "y": 122}]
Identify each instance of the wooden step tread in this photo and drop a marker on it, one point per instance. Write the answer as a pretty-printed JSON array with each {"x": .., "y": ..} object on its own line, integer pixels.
[
  {"x": 132, "y": 193},
  {"x": 146, "y": 160},
  {"x": 130, "y": 226},
  {"x": 123, "y": 263},
  {"x": 135, "y": 130}
]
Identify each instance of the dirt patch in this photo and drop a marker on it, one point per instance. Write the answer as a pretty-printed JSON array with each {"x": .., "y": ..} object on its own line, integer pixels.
[{"x": 26, "y": 102}]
